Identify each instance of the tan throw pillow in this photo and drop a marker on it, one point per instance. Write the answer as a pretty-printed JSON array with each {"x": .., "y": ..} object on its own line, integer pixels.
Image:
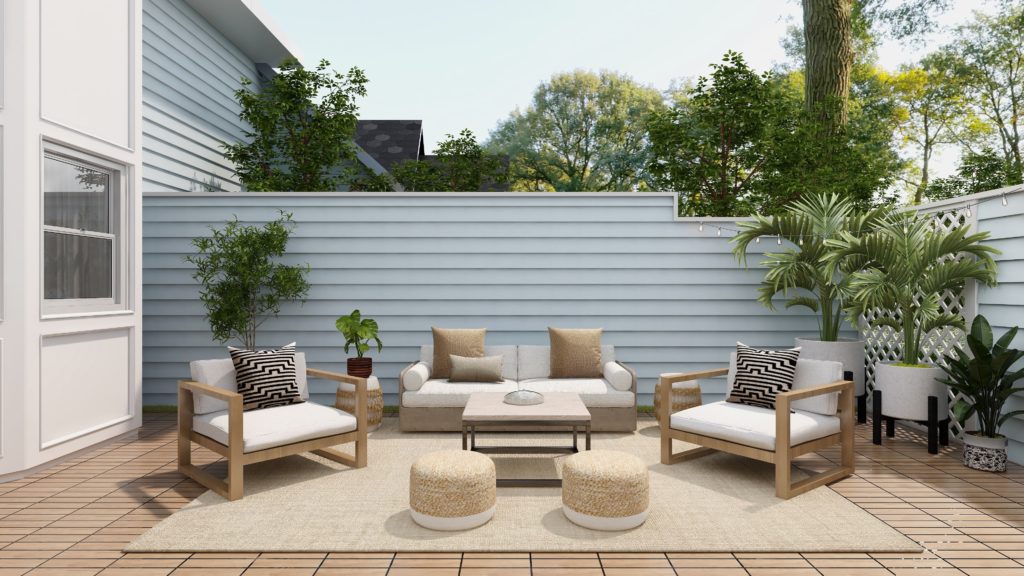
[
  {"x": 483, "y": 369},
  {"x": 575, "y": 353},
  {"x": 468, "y": 343}
]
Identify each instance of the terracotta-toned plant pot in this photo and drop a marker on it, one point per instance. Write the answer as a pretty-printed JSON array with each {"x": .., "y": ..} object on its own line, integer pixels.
[{"x": 360, "y": 367}]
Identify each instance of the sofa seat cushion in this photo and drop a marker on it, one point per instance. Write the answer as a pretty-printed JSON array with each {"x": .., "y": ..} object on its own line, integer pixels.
[
  {"x": 594, "y": 392},
  {"x": 751, "y": 425},
  {"x": 277, "y": 426},
  {"x": 438, "y": 393}
]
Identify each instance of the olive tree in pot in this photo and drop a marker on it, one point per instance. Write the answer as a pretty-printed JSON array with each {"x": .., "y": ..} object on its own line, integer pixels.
[
  {"x": 905, "y": 268},
  {"x": 982, "y": 375},
  {"x": 242, "y": 281},
  {"x": 358, "y": 332},
  {"x": 800, "y": 275}
]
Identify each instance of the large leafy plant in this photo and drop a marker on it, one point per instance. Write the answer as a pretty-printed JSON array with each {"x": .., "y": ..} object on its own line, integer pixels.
[
  {"x": 798, "y": 273},
  {"x": 243, "y": 282},
  {"x": 906, "y": 266},
  {"x": 981, "y": 375},
  {"x": 358, "y": 332}
]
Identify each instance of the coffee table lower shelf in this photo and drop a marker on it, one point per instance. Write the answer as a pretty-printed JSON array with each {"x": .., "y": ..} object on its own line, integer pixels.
[{"x": 469, "y": 430}]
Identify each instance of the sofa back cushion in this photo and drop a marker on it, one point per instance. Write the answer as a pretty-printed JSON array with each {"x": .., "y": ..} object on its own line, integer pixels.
[
  {"x": 220, "y": 373},
  {"x": 535, "y": 361},
  {"x": 575, "y": 352},
  {"x": 809, "y": 373},
  {"x": 468, "y": 342},
  {"x": 507, "y": 353}
]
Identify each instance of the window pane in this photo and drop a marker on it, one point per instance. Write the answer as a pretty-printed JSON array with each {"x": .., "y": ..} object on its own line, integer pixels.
[
  {"x": 75, "y": 196},
  {"x": 77, "y": 266}
]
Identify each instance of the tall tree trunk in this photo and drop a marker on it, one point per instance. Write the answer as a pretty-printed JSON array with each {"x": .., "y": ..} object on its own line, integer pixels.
[{"x": 828, "y": 35}]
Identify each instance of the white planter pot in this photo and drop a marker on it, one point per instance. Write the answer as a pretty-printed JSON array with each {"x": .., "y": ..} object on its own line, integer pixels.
[
  {"x": 984, "y": 453},
  {"x": 905, "y": 391},
  {"x": 847, "y": 351}
]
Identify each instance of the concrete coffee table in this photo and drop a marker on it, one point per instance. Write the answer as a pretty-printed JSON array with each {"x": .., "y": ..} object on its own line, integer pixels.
[{"x": 559, "y": 411}]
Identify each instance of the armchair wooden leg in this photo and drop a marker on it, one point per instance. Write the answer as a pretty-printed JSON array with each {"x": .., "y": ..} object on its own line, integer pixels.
[{"x": 666, "y": 449}]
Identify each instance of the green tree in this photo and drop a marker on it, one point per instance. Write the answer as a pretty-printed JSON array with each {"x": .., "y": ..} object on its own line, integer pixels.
[
  {"x": 584, "y": 131},
  {"x": 932, "y": 112},
  {"x": 460, "y": 164},
  {"x": 978, "y": 172},
  {"x": 243, "y": 282},
  {"x": 990, "y": 53},
  {"x": 828, "y": 60},
  {"x": 300, "y": 132},
  {"x": 714, "y": 144}
]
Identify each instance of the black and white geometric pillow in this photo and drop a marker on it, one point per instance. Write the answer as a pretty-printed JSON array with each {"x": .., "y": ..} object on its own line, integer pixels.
[
  {"x": 761, "y": 374},
  {"x": 266, "y": 378}
]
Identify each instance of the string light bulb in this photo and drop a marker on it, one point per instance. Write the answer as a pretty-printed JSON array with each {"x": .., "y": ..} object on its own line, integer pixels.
[
  {"x": 778, "y": 239},
  {"x": 757, "y": 240},
  {"x": 719, "y": 231},
  {"x": 701, "y": 227},
  {"x": 801, "y": 240},
  {"x": 1004, "y": 199},
  {"x": 968, "y": 211}
]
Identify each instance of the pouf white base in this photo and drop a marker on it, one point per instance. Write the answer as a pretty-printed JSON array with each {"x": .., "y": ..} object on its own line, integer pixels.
[
  {"x": 452, "y": 524},
  {"x": 605, "y": 524}
]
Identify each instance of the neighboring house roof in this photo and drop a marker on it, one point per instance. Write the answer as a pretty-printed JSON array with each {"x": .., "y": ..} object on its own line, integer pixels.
[
  {"x": 248, "y": 26},
  {"x": 391, "y": 142}
]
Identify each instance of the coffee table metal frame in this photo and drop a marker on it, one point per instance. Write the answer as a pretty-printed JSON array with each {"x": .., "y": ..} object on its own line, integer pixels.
[{"x": 469, "y": 430}]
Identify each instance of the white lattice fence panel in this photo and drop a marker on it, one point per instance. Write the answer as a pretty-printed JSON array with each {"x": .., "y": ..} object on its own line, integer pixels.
[{"x": 883, "y": 344}]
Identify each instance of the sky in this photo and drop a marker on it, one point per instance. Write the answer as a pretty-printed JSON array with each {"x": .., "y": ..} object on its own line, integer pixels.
[{"x": 467, "y": 63}]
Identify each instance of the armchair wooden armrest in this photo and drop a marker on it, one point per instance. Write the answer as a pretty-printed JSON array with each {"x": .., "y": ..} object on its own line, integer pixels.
[
  {"x": 187, "y": 389},
  {"x": 194, "y": 387},
  {"x": 358, "y": 383},
  {"x": 838, "y": 386},
  {"x": 665, "y": 388}
]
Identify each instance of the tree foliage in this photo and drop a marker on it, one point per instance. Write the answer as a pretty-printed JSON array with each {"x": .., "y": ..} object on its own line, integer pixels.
[
  {"x": 978, "y": 172},
  {"x": 583, "y": 131},
  {"x": 460, "y": 164},
  {"x": 242, "y": 280},
  {"x": 301, "y": 125}
]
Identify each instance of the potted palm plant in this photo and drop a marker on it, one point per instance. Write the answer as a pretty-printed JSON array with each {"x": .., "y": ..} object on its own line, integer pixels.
[
  {"x": 798, "y": 272},
  {"x": 358, "y": 332},
  {"x": 981, "y": 375},
  {"x": 906, "y": 266}
]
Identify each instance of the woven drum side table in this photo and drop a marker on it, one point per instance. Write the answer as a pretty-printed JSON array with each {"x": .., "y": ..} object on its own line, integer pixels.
[
  {"x": 605, "y": 490},
  {"x": 452, "y": 490},
  {"x": 684, "y": 395},
  {"x": 345, "y": 399}
]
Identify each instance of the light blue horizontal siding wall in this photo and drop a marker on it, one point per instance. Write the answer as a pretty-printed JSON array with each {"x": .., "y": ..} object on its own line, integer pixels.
[
  {"x": 671, "y": 298},
  {"x": 189, "y": 74},
  {"x": 1004, "y": 304}
]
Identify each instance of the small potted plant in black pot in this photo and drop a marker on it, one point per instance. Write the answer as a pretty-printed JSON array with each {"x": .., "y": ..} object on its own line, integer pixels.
[
  {"x": 358, "y": 332},
  {"x": 983, "y": 375}
]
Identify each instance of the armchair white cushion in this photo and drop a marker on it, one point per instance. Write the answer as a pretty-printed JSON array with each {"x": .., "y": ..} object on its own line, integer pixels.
[
  {"x": 751, "y": 425},
  {"x": 220, "y": 373},
  {"x": 277, "y": 426},
  {"x": 415, "y": 376}
]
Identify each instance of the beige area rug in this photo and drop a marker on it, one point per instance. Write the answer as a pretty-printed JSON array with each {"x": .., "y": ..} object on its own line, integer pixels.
[{"x": 716, "y": 503}]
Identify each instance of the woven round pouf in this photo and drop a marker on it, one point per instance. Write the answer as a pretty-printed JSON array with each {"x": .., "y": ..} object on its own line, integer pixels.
[
  {"x": 452, "y": 490},
  {"x": 604, "y": 490}
]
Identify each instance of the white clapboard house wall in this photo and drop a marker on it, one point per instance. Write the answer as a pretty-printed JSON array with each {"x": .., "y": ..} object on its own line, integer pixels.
[
  {"x": 99, "y": 100},
  {"x": 670, "y": 296}
]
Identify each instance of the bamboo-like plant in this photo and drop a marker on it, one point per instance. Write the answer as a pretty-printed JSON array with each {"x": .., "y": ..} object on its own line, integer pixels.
[
  {"x": 798, "y": 273},
  {"x": 905, "y": 268}
]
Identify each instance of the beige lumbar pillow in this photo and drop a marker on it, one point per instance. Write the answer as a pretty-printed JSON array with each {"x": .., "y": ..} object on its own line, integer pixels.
[
  {"x": 575, "y": 353},
  {"x": 468, "y": 343},
  {"x": 483, "y": 369}
]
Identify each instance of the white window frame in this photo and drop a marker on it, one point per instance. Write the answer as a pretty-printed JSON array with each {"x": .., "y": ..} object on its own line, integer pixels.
[{"x": 118, "y": 218}]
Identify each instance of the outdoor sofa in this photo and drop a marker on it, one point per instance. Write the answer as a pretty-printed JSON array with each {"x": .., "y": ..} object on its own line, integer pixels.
[{"x": 435, "y": 405}]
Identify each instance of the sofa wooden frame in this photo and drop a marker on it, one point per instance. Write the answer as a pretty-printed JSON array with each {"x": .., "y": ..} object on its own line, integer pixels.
[
  {"x": 783, "y": 454},
  {"x": 232, "y": 487}
]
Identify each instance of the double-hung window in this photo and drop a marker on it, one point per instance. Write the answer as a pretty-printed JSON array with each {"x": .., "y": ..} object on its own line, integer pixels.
[{"x": 82, "y": 232}]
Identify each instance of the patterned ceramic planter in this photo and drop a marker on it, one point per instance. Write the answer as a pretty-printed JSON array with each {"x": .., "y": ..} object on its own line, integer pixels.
[{"x": 984, "y": 453}]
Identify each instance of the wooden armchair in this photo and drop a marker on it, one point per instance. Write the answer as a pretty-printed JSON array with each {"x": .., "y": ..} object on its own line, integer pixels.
[
  {"x": 256, "y": 441},
  {"x": 781, "y": 451}
]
